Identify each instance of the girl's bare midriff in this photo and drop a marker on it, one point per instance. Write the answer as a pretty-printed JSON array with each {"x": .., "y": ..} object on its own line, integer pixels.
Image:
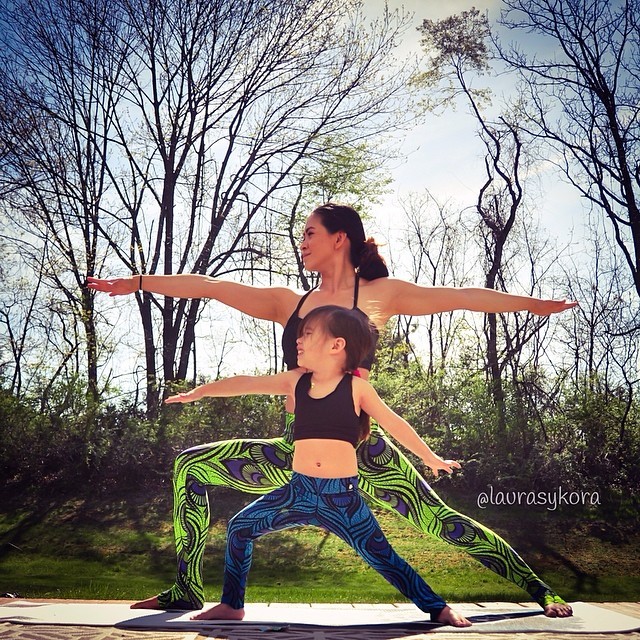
[{"x": 321, "y": 458}]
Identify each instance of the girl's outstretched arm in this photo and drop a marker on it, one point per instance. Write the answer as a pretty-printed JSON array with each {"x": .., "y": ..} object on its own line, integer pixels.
[
  {"x": 399, "y": 428},
  {"x": 278, "y": 384},
  {"x": 267, "y": 303}
]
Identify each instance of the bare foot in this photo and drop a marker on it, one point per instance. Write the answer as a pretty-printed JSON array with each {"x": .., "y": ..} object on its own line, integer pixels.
[
  {"x": 558, "y": 610},
  {"x": 449, "y": 616},
  {"x": 220, "y": 612},
  {"x": 149, "y": 603}
]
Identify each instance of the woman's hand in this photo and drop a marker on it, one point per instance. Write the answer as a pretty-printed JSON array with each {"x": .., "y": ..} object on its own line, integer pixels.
[
  {"x": 186, "y": 396},
  {"x": 114, "y": 286},
  {"x": 546, "y": 307}
]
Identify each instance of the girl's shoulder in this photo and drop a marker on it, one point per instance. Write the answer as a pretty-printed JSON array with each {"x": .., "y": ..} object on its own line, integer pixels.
[{"x": 361, "y": 385}]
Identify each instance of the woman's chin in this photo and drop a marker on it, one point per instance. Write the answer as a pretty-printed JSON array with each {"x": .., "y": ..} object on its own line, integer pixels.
[{"x": 309, "y": 265}]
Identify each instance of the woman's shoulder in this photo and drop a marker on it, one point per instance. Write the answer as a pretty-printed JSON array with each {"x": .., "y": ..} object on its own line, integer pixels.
[
  {"x": 377, "y": 298},
  {"x": 386, "y": 283}
]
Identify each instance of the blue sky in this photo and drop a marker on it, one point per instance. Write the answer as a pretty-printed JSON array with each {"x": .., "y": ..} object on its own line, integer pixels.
[{"x": 443, "y": 153}]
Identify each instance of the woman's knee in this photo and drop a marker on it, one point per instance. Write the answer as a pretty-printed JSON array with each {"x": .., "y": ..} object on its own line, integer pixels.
[{"x": 197, "y": 455}]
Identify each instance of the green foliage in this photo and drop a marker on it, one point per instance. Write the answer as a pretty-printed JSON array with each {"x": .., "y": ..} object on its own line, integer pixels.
[
  {"x": 461, "y": 37},
  {"x": 352, "y": 171},
  {"x": 584, "y": 438},
  {"x": 216, "y": 419},
  {"x": 457, "y": 46},
  {"x": 69, "y": 440}
]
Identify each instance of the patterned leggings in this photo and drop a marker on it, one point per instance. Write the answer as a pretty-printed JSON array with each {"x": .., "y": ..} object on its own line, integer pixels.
[
  {"x": 385, "y": 475},
  {"x": 333, "y": 504}
]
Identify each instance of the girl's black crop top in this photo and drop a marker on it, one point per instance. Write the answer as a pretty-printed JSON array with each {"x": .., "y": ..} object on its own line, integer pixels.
[
  {"x": 290, "y": 333},
  {"x": 332, "y": 417}
]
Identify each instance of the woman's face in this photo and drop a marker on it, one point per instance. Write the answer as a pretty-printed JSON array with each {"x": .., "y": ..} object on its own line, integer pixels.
[{"x": 318, "y": 245}]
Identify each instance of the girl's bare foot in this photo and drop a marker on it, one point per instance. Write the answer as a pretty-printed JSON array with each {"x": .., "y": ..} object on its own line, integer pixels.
[
  {"x": 449, "y": 616},
  {"x": 558, "y": 610},
  {"x": 149, "y": 603},
  {"x": 220, "y": 612}
]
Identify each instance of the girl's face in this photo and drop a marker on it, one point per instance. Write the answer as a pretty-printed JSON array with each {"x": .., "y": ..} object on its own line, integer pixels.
[
  {"x": 318, "y": 245},
  {"x": 312, "y": 345}
]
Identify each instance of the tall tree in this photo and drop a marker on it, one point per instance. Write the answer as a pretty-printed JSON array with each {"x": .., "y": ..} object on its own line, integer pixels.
[
  {"x": 59, "y": 94},
  {"x": 229, "y": 98},
  {"x": 459, "y": 50},
  {"x": 602, "y": 338},
  {"x": 437, "y": 241},
  {"x": 583, "y": 91},
  {"x": 165, "y": 137}
]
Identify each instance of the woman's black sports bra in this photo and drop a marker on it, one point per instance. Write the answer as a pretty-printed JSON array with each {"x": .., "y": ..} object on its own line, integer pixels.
[{"x": 290, "y": 333}]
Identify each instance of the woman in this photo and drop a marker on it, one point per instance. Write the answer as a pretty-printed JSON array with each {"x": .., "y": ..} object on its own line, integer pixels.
[
  {"x": 332, "y": 409},
  {"x": 352, "y": 275}
]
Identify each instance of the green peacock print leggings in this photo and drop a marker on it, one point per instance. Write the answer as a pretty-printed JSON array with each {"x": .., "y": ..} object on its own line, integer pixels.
[{"x": 385, "y": 475}]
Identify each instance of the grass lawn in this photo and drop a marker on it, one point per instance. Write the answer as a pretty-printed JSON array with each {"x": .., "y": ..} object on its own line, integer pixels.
[{"x": 123, "y": 549}]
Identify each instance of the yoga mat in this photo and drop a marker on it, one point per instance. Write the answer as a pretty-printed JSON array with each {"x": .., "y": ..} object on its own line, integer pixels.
[{"x": 490, "y": 617}]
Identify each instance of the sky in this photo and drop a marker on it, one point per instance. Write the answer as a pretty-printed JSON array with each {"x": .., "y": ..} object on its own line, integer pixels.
[{"x": 443, "y": 153}]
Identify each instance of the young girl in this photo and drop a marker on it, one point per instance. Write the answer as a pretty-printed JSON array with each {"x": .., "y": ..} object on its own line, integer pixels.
[{"x": 332, "y": 409}]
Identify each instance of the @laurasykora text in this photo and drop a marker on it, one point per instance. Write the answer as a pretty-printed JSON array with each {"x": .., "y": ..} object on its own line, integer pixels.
[{"x": 552, "y": 499}]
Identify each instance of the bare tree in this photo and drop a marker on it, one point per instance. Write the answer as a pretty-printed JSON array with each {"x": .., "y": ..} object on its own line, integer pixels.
[
  {"x": 584, "y": 101},
  {"x": 603, "y": 337},
  {"x": 167, "y": 138},
  {"x": 231, "y": 97},
  {"x": 58, "y": 96},
  {"x": 439, "y": 247},
  {"x": 459, "y": 48}
]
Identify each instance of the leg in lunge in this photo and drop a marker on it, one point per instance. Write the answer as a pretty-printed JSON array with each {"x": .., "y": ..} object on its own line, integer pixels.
[
  {"x": 388, "y": 477},
  {"x": 335, "y": 505},
  {"x": 283, "y": 508},
  {"x": 253, "y": 466}
]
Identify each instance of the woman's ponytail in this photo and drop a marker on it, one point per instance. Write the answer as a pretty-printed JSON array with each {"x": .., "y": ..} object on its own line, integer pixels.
[
  {"x": 370, "y": 263},
  {"x": 364, "y": 252}
]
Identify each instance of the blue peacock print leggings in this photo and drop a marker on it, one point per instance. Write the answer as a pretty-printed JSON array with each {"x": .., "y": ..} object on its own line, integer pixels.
[
  {"x": 333, "y": 504},
  {"x": 384, "y": 475}
]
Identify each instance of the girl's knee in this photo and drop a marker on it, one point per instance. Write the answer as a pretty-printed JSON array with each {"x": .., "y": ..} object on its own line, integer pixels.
[{"x": 238, "y": 523}]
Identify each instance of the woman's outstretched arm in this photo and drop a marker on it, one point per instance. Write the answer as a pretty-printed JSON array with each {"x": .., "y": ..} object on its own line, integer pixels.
[
  {"x": 407, "y": 298},
  {"x": 266, "y": 303}
]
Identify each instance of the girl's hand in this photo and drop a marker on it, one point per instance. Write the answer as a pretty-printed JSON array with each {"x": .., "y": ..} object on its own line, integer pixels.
[
  {"x": 114, "y": 286},
  {"x": 437, "y": 464}
]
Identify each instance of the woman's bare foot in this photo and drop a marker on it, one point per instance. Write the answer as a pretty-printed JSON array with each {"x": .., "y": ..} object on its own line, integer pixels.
[
  {"x": 558, "y": 610},
  {"x": 449, "y": 616},
  {"x": 220, "y": 612},
  {"x": 149, "y": 603}
]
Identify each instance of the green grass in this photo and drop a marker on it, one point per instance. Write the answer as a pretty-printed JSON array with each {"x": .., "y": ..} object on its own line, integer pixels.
[{"x": 123, "y": 549}]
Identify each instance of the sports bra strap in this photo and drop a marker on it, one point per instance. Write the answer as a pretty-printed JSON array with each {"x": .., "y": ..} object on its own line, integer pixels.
[
  {"x": 356, "y": 289},
  {"x": 301, "y": 301}
]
